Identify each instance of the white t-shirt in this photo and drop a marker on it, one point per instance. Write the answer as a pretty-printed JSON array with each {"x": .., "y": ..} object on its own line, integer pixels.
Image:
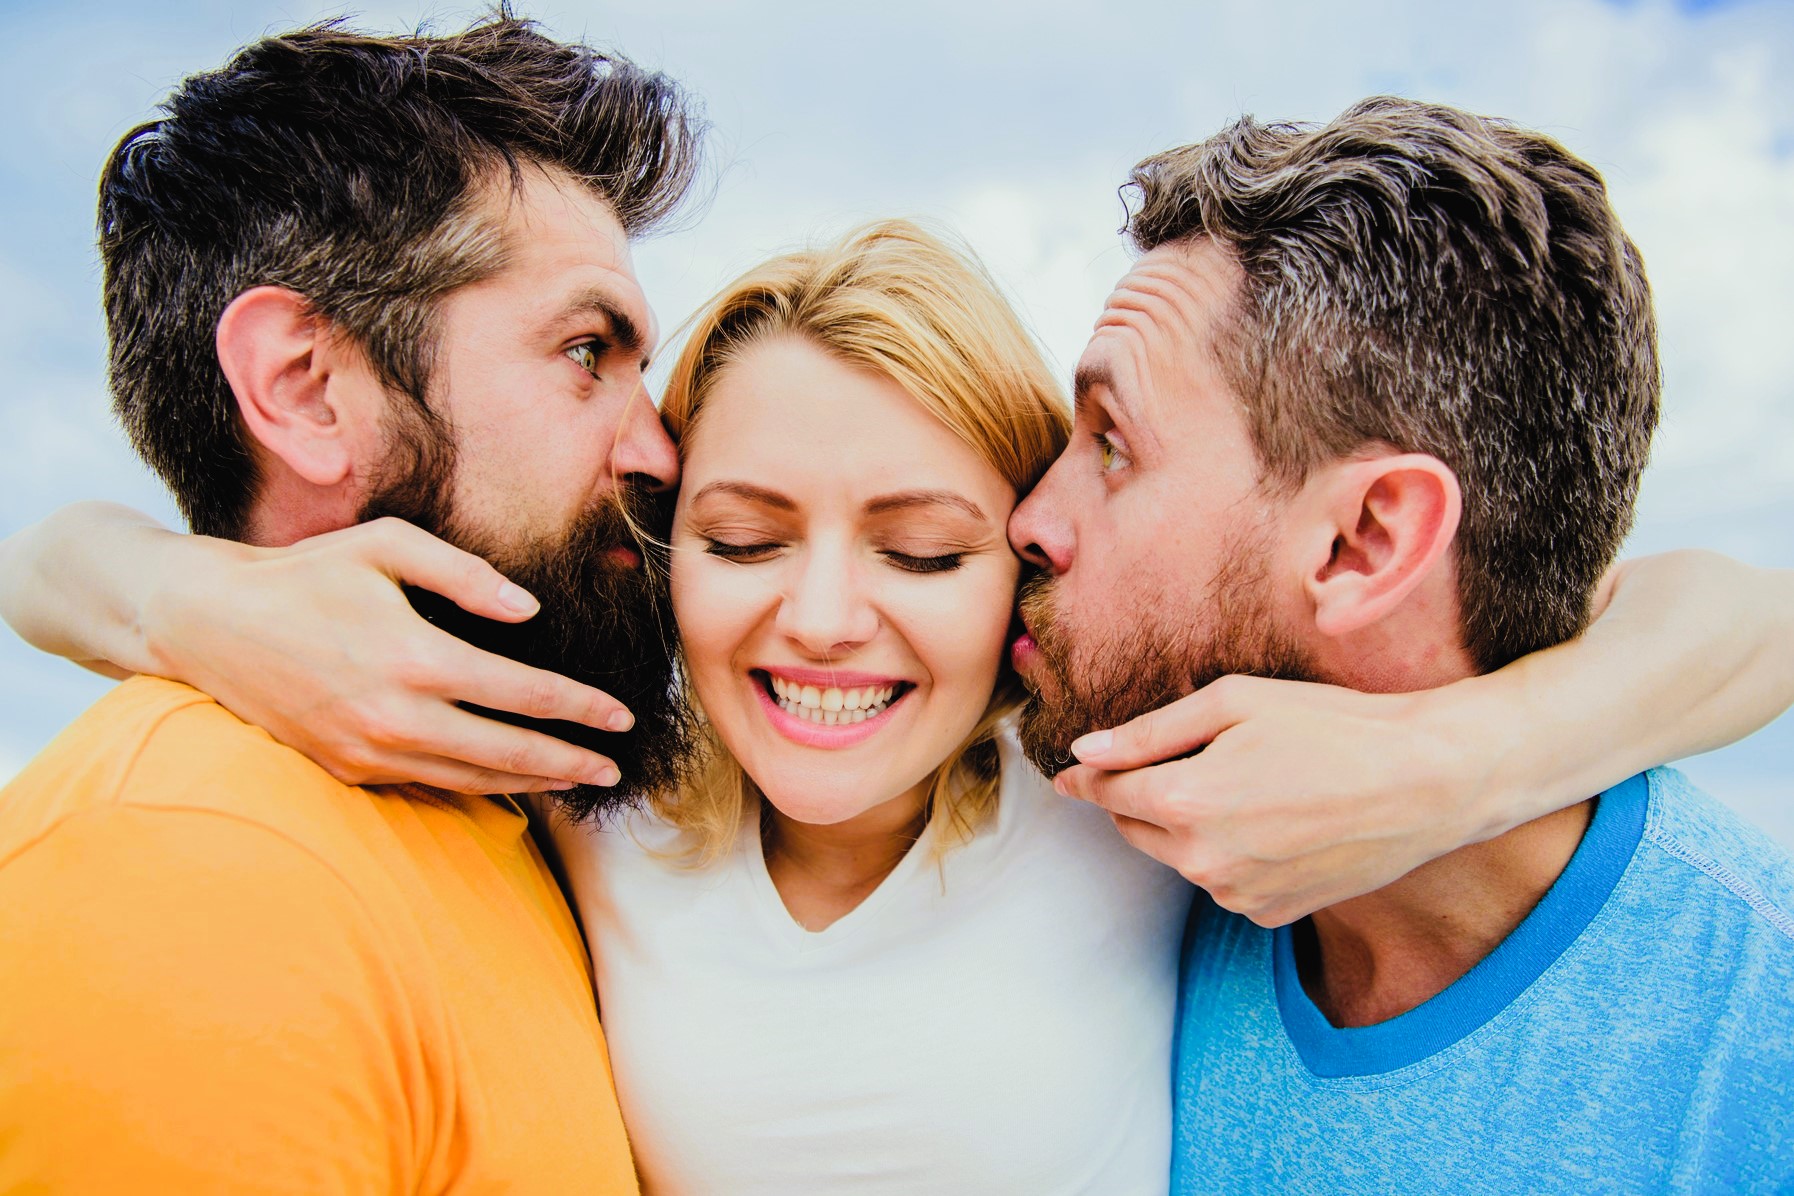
[{"x": 997, "y": 1021}]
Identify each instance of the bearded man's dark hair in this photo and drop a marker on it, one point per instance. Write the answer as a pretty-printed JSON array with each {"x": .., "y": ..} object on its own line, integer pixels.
[{"x": 355, "y": 170}]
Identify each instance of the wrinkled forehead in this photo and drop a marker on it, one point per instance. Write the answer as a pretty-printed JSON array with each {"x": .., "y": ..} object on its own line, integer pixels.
[
  {"x": 1156, "y": 335},
  {"x": 560, "y": 239}
]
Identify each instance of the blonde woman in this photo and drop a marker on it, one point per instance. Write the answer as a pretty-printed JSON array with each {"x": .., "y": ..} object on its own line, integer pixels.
[{"x": 868, "y": 949}]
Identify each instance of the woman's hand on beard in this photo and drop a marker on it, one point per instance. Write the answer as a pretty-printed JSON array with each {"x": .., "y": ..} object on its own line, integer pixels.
[{"x": 317, "y": 644}]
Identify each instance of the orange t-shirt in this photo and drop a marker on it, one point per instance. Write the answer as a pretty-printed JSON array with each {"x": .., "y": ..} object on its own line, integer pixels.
[{"x": 221, "y": 970}]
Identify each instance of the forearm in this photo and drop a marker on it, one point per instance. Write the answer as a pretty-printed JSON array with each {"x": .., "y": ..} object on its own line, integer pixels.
[
  {"x": 1693, "y": 651},
  {"x": 73, "y": 585}
]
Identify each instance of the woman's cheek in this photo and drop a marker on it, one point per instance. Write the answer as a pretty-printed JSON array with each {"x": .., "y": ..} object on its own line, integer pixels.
[
  {"x": 967, "y": 631},
  {"x": 707, "y": 609}
]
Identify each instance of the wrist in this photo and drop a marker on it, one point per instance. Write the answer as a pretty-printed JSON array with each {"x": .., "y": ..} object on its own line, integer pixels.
[
  {"x": 1477, "y": 756},
  {"x": 188, "y": 574}
]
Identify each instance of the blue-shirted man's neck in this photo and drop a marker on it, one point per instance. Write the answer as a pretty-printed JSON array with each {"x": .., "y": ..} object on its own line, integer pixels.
[{"x": 1377, "y": 956}]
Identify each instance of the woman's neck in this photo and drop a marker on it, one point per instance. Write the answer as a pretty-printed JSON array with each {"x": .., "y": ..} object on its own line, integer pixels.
[{"x": 823, "y": 873}]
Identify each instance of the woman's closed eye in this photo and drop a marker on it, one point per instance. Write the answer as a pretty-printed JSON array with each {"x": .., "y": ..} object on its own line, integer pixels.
[
  {"x": 746, "y": 553},
  {"x": 923, "y": 563}
]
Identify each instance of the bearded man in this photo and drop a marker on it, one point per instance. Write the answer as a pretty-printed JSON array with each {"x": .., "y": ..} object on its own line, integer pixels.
[
  {"x": 349, "y": 277},
  {"x": 1371, "y": 409}
]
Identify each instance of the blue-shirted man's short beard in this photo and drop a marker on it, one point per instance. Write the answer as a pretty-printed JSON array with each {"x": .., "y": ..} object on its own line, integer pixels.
[{"x": 1091, "y": 678}]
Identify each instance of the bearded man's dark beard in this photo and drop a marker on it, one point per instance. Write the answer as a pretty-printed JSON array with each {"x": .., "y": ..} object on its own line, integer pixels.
[
  {"x": 605, "y": 621},
  {"x": 1116, "y": 673}
]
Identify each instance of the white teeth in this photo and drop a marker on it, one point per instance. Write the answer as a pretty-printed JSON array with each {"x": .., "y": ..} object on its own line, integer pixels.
[{"x": 832, "y": 707}]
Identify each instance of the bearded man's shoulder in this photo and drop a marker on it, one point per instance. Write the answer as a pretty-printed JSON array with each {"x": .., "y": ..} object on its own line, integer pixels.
[
  {"x": 156, "y": 747},
  {"x": 187, "y": 912}
]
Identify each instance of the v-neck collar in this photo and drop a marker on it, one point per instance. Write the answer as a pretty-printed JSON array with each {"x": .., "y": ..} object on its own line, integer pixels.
[{"x": 787, "y": 930}]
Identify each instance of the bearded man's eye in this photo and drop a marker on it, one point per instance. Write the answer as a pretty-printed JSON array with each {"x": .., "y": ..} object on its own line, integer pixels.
[{"x": 585, "y": 356}]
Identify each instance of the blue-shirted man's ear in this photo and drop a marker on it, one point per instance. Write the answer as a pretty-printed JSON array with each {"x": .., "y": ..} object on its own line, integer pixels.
[{"x": 1375, "y": 531}]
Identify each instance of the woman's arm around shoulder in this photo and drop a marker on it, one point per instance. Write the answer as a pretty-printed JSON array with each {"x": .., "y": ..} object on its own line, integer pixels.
[{"x": 315, "y": 642}]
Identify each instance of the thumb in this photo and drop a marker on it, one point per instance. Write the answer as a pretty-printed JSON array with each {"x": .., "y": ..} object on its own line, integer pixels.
[{"x": 1174, "y": 730}]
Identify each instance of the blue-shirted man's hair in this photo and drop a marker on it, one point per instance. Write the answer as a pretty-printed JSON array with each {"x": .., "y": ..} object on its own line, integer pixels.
[
  {"x": 348, "y": 167},
  {"x": 1437, "y": 282}
]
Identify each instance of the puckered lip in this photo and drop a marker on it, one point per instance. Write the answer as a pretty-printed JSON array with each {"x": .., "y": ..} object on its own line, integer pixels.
[
  {"x": 1024, "y": 653},
  {"x": 1019, "y": 630},
  {"x": 828, "y": 678}
]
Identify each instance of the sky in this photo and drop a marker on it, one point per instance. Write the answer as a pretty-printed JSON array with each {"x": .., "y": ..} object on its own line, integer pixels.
[{"x": 1013, "y": 123}]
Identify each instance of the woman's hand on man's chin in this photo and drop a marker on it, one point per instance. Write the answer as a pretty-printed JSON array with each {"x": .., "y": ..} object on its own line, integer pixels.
[{"x": 1281, "y": 797}]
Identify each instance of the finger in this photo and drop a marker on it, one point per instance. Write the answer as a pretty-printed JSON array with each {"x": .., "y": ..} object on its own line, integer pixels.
[
  {"x": 1144, "y": 837},
  {"x": 457, "y": 776},
  {"x": 1163, "y": 734},
  {"x": 1143, "y": 795},
  {"x": 513, "y": 751},
  {"x": 499, "y": 683},
  {"x": 499, "y": 748},
  {"x": 412, "y": 556}
]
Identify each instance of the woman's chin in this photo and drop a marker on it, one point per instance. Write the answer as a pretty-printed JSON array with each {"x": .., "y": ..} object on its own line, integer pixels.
[
  {"x": 834, "y": 797},
  {"x": 814, "y": 812}
]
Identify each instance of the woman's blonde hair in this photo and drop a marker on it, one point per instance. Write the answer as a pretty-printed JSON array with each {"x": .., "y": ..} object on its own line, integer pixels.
[{"x": 918, "y": 308}]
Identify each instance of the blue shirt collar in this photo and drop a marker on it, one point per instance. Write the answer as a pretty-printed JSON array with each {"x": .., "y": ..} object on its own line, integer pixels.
[{"x": 1567, "y": 908}]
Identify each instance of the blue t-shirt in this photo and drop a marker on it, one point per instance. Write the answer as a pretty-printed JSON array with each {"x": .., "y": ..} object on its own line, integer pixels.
[{"x": 1634, "y": 1034}]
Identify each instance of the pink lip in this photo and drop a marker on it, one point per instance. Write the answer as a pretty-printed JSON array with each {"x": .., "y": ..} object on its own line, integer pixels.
[
  {"x": 826, "y": 678},
  {"x": 809, "y": 734},
  {"x": 1023, "y": 651},
  {"x": 629, "y": 558}
]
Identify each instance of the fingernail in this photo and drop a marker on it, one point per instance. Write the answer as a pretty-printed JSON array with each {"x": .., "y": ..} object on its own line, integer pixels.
[
  {"x": 620, "y": 720},
  {"x": 514, "y": 597},
  {"x": 606, "y": 777},
  {"x": 1093, "y": 744},
  {"x": 561, "y": 786}
]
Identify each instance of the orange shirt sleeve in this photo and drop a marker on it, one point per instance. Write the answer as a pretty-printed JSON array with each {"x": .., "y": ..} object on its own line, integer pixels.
[{"x": 190, "y": 1002}]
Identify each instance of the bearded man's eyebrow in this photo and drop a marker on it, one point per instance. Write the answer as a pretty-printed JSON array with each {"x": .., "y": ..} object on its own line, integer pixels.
[
  {"x": 1088, "y": 378},
  {"x": 1117, "y": 404},
  {"x": 624, "y": 333},
  {"x": 1095, "y": 376}
]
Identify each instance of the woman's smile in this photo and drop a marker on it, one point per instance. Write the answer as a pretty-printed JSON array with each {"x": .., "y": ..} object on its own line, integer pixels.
[{"x": 826, "y": 708}]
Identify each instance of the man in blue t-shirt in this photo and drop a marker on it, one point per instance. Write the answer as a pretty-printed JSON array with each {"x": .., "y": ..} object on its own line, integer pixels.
[{"x": 1398, "y": 378}]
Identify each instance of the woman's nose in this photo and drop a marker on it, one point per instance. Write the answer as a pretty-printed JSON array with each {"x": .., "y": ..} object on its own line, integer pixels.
[{"x": 827, "y": 610}]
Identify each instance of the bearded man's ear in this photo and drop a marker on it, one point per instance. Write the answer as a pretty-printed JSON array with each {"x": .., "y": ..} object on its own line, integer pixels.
[
  {"x": 1382, "y": 527},
  {"x": 275, "y": 354}
]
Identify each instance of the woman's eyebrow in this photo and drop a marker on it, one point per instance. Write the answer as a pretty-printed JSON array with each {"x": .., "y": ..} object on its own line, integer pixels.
[
  {"x": 907, "y": 499},
  {"x": 748, "y": 491}
]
